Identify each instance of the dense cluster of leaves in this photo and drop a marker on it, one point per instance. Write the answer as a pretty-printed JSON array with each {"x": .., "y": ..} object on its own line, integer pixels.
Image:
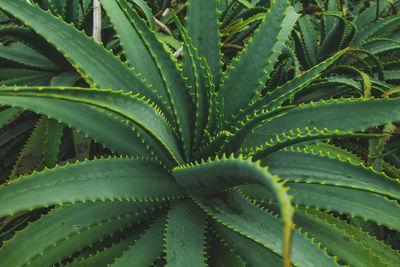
[{"x": 272, "y": 140}]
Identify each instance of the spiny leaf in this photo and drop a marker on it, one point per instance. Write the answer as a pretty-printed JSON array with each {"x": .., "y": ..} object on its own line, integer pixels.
[
  {"x": 67, "y": 78},
  {"x": 309, "y": 37},
  {"x": 113, "y": 178},
  {"x": 238, "y": 214},
  {"x": 344, "y": 200},
  {"x": 375, "y": 28},
  {"x": 343, "y": 115},
  {"x": 136, "y": 109},
  {"x": 221, "y": 254},
  {"x": 184, "y": 241},
  {"x": 356, "y": 247},
  {"x": 26, "y": 57},
  {"x": 7, "y": 115},
  {"x": 281, "y": 94},
  {"x": 202, "y": 27},
  {"x": 386, "y": 253},
  {"x": 303, "y": 135},
  {"x": 246, "y": 76},
  {"x": 218, "y": 175},
  {"x": 97, "y": 124},
  {"x": 137, "y": 53},
  {"x": 98, "y": 66},
  {"x": 53, "y": 134},
  {"x": 200, "y": 82},
  {"x": 151, "y": 238},
  {"x": 251, "y": 252},
  {"x": 147, "y": 11},
  {"x": 177, "y": 93},
  {"x": 109, "y": 254},
  {"x": 30, "y": 157},
  {"x": 81, "y": 224},
  {"x": 35, "y": 41}
]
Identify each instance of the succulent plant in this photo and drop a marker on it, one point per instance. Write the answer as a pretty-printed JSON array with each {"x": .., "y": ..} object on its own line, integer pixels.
[
  {"x": 373, "y": 44},
  {"x": 205, "y": 169}
]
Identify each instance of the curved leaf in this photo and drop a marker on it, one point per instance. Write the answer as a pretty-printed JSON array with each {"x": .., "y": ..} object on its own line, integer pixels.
[
  {"x": 216, "y": 176},
  {"x": 300, "y": 166},
  {"x": 344, "y": 244},
  {"x": 237, "y": 213},
  {"x": 105, "y": 179},
  {"x": 103, "y": 127},
  {"x": 135, "y": 108},
  {"x": 98, "y": 66},
  {"x": 69, "y": 229},
  {"x": 342, "y": 114}
]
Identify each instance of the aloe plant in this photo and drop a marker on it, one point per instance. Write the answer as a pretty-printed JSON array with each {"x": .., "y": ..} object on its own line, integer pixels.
[
  {"x": 205, "y": 168},
  {"x": 374, "y": 46}
]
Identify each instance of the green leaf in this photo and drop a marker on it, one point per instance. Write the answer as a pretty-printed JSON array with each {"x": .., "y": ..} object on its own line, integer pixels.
[
  {"x": 331, "y": 21},
  {"x": 374, "y": 29},
  {"x": 202, "y": 27},
  {"x": 237, "y": 213},
  {"x": 136, "y": 109},
  {"x": 7, "y": 115},
  {"x": 26, "y": 35},
  {"x": 332, "y": 41},
  {"x": 300, "y": 136},
  {"x": 376, "y": 247},
  {"x": 98, "y": 66},
  {"x": 184, "y": 241},
  {"x": 333, "y": 152},
  {"x": 67, "y": 78},
  {"x": 106, "y": 179},
  {"x": 30, "y": 158},
  {"x": 136, "y": 51},
  {"x": 201, "y": 85},
  {"x": 220, "y": 254},
  {"x": 147, "y": 11},
  {"x": 16, "y": 131},
  {"x": 31, "y": 80},
  {"x": 216, "y": 176},
  {"x": 251, "y": 252},
  {"x": 309, "y": 37},
  {"x": 149, "y": 247},
  {"x": 354, "y": 202},
  {"x": 283, "y": 93},
  {"x": 380, "y": 45},
  {"x": 52, "y": 142},
  {"x": 82, "y": 145},
  {"x": 100, "y": 126},
  {"x": 344, "y": 200},
  {"x": 200, "y": 81},
  {"x": 214, "y": 146},
  {"x": 109, "y": 254},
  {"x": 69, "y": 229},
  {"x": 246, "y": 76},
  {"x": 392, "y": 75},
  {"x": 323, "y": 227},
  {"x": 26, "y": 57},
  {"x": 12, "y": 73},
  {"x": 342, "y": 114},
  {"x": 177, "y": 92},
  {"x": 368, "y": 16}
]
